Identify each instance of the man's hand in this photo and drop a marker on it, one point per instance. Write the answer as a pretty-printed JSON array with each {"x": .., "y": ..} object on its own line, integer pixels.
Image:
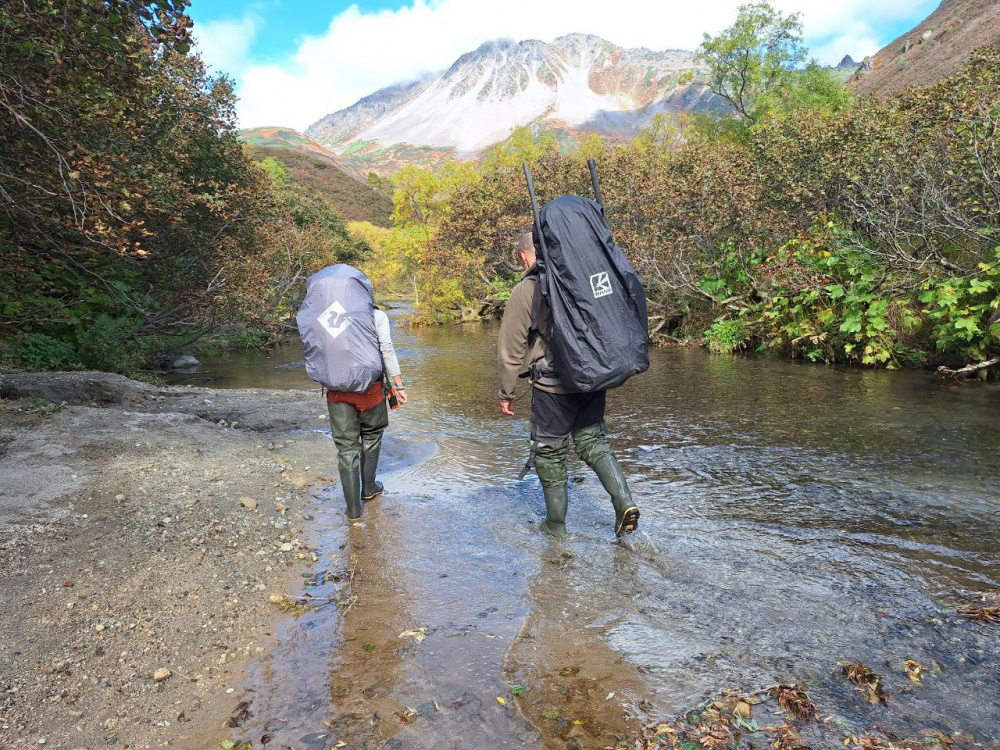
[
  {"x": 401, "y": 396},
  {"x": 507, "y": 407}
]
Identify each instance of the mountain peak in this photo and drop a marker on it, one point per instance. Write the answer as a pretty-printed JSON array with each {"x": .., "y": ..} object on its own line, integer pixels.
[
  {"x": 577, "y": 83},
  {"x": 847, "y": 62}
]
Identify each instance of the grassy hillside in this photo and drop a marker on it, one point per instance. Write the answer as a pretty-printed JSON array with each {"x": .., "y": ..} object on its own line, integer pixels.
[
  {"x": 282, "y": 138},
  {"x": 935, "y": 49},
  {"x": 386, "y": 160},
  {"x": 353, "y": 199}
]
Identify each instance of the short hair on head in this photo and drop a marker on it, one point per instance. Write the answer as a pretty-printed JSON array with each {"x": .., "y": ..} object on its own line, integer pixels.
[{"x": 527, "y": 242}]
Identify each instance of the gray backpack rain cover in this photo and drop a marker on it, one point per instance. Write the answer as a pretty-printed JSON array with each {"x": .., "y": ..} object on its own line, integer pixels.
[{"x": 337, "y": 326}]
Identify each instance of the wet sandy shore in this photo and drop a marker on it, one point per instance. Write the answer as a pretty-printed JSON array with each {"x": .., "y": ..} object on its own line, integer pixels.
[{"x": 142, "y": 531}]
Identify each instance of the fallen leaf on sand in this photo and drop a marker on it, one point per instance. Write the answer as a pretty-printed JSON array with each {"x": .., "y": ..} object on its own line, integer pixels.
[{"x": 417, "y": 634}]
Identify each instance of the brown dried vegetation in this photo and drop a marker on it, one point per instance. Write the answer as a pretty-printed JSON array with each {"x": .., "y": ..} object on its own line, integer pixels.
[{"x": 868, "y": 681}]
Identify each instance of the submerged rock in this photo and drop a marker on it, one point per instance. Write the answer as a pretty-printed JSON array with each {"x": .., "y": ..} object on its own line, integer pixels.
[{"x": 186, "y": 360}]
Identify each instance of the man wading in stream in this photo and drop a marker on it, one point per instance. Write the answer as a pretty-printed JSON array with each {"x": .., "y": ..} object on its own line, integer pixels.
[
  {"x": 557, "y": 411},
  {"x": 348, "y": 348}
]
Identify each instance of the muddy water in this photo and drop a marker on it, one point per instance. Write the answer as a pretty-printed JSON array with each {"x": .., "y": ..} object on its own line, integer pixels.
[{"x": 793, "y": 517}]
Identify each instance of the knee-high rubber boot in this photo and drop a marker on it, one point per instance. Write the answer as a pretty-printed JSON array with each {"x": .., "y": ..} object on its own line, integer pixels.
[
  {"x": 550, "y": 463},
  {"x": 350, "y": 481},
  {"x": 596, "y": 452},
  {"x": 371, "y": 446}
]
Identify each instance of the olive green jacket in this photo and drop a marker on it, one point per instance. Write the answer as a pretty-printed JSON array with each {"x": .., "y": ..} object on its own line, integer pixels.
[{"x": 519, "y": 346}]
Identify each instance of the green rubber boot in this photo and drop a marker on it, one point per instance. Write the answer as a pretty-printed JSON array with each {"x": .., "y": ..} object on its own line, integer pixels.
[
  {"x": 371, "y": 446},
  {"x": 350, "y": 482},
  {"x": 550, "y": 463},
  {"x": 593, "y": 447},
  {"x": 556, "y": 502}
]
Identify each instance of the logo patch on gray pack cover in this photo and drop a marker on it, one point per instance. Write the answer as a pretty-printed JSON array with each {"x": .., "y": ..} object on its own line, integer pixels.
[
  {"x": 601, "y": 284},
  {"x": 334, "y": 320}
]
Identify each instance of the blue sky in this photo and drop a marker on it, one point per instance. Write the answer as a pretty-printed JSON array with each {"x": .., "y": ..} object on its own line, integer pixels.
[
  {"x": 286, "y": 20},
  {"x": 294, "y": 61}
]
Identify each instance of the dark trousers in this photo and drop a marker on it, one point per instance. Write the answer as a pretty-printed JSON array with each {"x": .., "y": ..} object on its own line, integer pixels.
[
  {"x": 356, "y": 432},
  {"x": 556, "y": 416}
]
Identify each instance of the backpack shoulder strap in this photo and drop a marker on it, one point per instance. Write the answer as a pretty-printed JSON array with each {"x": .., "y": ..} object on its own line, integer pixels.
[{"x": 536, "y": 301}]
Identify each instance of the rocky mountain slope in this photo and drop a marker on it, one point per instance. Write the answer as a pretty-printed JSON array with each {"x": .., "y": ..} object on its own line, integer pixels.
[
  {"x": 578, "y": 83},
  {"x": 933, "y": 50}
]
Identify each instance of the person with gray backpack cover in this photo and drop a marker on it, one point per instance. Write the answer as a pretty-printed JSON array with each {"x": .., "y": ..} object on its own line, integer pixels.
[{"x": 348, "y": 348}]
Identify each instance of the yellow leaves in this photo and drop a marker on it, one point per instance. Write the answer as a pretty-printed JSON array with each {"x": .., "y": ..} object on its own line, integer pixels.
[
  {"x": 501, "y": 700},
  {"x": 868, "y": 681},
  {"x": 914, "y": 670},
  {"x": 407, "y": 716}
]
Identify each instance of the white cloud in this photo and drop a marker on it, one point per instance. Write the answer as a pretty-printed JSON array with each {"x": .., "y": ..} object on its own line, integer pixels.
[
  {"x": 360, "y": 52},
  {"x": 225, "y": 45}
]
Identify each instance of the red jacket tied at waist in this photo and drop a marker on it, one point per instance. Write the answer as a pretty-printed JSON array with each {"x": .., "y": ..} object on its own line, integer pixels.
[{"x": 360, "y": 401}]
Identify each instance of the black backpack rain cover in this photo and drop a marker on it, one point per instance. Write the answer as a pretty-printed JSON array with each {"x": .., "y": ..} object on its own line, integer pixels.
[
  {"x": 598, "y": 324},
  {"x": 337, "y": 325}
]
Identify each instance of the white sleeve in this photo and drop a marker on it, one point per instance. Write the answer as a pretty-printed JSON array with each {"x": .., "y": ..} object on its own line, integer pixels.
[{"x": 389, "y": 360}]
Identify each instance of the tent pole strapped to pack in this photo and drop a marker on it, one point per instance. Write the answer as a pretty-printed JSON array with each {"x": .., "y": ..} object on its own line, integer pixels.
[{"x": 534, "y": 209}]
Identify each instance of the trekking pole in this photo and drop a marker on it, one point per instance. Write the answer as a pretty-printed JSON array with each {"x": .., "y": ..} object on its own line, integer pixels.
[
  {"x": 592, "y": 165},
  {"x": 534, "y": 209}
]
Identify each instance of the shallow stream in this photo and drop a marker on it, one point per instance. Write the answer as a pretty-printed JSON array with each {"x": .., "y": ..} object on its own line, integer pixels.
[{"x": 793, "y": 517}]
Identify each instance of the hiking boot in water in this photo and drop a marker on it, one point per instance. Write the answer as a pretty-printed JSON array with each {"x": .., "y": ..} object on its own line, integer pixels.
[
  {"x": 350, "y": 482},
  {"x": 550, "y": 463},
  {"x": 594, "y": 448},
  {"x": 556, "y": 501},
  {"x": 627, "y": 522},
  {"x": 371, "y": 446}
]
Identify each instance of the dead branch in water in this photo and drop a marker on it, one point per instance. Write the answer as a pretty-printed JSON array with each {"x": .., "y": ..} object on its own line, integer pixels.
[{"x": 968, "y": 369}]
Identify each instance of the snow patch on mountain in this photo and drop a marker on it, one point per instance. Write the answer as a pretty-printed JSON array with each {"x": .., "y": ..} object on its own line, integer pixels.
[{"x": 578, "y": 82}]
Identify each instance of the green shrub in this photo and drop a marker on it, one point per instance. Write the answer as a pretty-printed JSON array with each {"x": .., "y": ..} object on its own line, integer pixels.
[
  {"x": 726, "y": 336},
  {"x": 112, "y": 345},
  {"x": 965, "y": 312},
  {"x": 37, "y": 351}
]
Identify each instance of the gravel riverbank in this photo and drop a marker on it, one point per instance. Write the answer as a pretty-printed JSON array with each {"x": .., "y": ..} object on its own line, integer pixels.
[{"x": 142, "y": 530}]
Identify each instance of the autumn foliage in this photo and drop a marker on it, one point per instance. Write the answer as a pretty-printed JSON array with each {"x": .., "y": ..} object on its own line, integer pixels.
[
  {"x": 130, "y": 216},
  {"x": 864, "y": 232}
]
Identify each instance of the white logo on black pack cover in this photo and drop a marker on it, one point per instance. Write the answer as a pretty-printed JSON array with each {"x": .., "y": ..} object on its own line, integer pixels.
[
  {"x": 334, "y": 320},
  {"x": 601, "y": 284}
]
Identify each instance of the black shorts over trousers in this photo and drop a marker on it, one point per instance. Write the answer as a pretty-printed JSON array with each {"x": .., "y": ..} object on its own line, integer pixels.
[{"x": 556, "y": 416}]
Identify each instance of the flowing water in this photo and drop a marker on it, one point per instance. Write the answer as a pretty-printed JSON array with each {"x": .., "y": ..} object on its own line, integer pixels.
[{"x": 794, "y": 517}]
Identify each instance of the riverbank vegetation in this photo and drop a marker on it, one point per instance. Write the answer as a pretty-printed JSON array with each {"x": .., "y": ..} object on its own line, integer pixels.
[
  {"x": 809, "y": 224},
  {"x": 132, "y": 221},
  {"x": 804, "y": 223}
]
